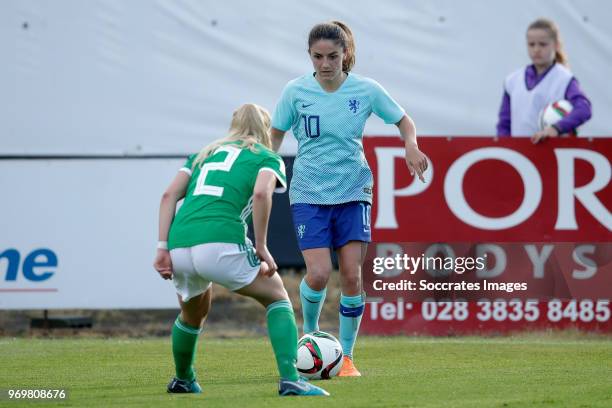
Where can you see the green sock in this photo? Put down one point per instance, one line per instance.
(184, 341)
(283, 336)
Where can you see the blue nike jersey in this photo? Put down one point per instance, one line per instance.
(330, 166)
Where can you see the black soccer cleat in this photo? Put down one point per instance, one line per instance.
(177, 386)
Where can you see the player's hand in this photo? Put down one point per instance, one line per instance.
(163, 263)
(417, 162)
(543, 134)
(264, 269)
(266, 258)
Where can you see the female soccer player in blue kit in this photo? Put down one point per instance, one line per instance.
(331, 189)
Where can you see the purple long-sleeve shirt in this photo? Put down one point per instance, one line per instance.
(580, 113)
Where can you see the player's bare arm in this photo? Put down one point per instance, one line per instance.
(262, 205)
(415, 159)
(277, 138)
(167, 208)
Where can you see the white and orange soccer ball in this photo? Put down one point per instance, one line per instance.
(319, 356)
(553, 113)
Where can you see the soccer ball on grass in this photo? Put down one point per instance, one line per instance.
(319, 356)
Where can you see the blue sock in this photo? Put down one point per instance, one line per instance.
(351, 310)
(312, 303)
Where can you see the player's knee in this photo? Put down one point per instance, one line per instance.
(317, 281)
(203, 316)
(280, 293)
(276, 291)
(317, 276)
(351, 282)
(273, 297)
(193, 320)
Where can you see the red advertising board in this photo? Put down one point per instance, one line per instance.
(538, 216)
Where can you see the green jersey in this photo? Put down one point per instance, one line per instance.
(219, 198)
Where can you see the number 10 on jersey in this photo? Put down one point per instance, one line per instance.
(311, 125)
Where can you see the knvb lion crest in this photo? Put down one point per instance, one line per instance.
(353, 105)
(301, 230)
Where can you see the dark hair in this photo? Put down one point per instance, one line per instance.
(552, 29)
(341, 34)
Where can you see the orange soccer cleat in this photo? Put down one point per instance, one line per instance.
(348, 368)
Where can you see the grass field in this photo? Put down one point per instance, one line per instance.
(541, 371)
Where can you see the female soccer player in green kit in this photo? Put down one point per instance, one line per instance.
(331, 189)
(206, 242)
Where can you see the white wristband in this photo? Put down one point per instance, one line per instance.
(162, 244)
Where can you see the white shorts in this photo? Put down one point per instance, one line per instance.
(231, 265)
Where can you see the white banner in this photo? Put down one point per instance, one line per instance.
(82, 234)
(155, 77)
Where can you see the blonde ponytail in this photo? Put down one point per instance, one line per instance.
(250, 125)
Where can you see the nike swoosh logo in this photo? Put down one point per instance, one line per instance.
(309, 301)
(305, 106)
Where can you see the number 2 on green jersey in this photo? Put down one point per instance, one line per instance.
(206, 189)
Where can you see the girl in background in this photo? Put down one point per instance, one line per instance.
(528, 90)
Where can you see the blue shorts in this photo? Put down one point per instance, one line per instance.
(331, 226)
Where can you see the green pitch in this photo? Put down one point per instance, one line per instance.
(410, 372)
